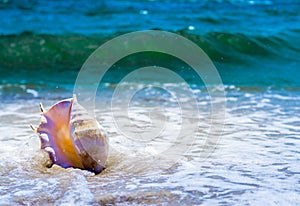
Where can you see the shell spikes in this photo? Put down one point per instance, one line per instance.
(71, 137)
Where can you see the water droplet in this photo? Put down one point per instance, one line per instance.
(191, 28)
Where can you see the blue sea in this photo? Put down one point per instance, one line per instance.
(254, 46)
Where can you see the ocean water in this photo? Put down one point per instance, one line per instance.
(255, 47)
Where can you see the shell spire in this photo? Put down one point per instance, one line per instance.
(71, 137)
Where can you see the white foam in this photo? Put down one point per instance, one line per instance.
(256, 159)
(33, 92)
(78, 193)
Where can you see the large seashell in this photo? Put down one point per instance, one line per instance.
(71, 137)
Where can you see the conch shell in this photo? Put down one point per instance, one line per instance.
(71, 137)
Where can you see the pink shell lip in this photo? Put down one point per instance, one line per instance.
(82, 145)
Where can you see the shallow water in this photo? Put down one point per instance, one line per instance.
(255, 162)
(254, 45)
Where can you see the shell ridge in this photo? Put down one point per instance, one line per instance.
(84, 134)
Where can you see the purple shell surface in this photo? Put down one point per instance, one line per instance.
(71, 137)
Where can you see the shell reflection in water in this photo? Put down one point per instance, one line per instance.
(71, 137)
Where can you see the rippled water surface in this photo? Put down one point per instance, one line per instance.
(256, 161)
(254, 45)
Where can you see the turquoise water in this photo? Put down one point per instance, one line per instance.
(254, 45)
